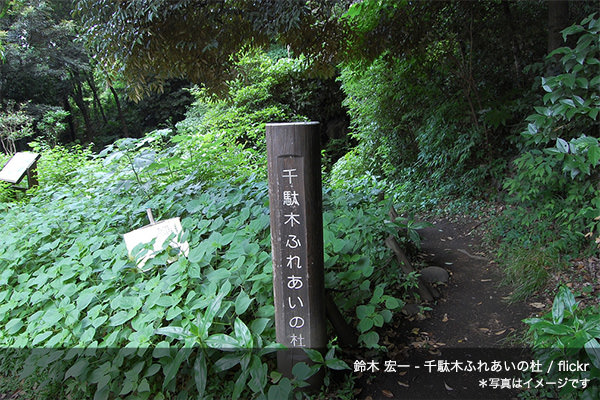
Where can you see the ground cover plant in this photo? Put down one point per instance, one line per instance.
(201, 324)
(450, 108)
(568, 333)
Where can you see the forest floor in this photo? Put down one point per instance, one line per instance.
(473, 320)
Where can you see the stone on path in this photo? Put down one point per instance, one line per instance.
(411, 309)
(434, 274)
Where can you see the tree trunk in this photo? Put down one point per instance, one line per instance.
(513, 42)
(119, 111)
(90, 81)
(81, 104)
(558, 19)
(67, 107)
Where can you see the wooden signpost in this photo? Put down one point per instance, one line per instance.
(19, 165)
(294, 166)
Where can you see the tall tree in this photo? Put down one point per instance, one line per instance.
(154, 40)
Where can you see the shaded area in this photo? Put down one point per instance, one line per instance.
(472, 322)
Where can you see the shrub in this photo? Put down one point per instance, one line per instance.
(554, 191)
(568, 334)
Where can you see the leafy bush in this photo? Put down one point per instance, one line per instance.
(554, 190)
(568, 334)
(15, 124)
(68, 286)
(262, 91)
(59, 164)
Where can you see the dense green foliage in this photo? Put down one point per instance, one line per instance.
(140, 38)
(555, 188)
(568, 333)
(68, 96)
(67, 281)
(445, 101)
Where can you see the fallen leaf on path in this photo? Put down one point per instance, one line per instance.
(415, 331)
(387, 394)
(447, 387)
(486, 280)
(445, 319)
(537, 305)
(501, 332)
(484, 330)
(450, 238)
(448, 263)
(435, 352)
(403, 384)
(402, 373)
(480, 303)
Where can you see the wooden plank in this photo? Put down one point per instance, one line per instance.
(18, 166)
(294, 165)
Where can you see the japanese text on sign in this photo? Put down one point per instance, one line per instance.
(293, 257)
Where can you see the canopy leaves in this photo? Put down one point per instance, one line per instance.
(153, 40)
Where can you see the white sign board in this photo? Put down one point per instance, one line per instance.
(159, 232)
(16, 168)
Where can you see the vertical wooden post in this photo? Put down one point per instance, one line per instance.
(32, 174)
(294, 165)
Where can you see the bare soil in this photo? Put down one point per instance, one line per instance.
(472, 320)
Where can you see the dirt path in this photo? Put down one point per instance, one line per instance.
(472, 320)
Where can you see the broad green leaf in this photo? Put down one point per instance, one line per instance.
(173, 367)
(200, 373)
(152, 370)
(377, 320)
(242, 302)
(592, 348)
(84, 299)
(227, 361)
(222, 341)
(240, 384)
(314, 355)
(377, 293)
(594, 154)
(197, 253)
(126, 303)
(365, 324)
(121, 317)
(371, 339)
(364, 310)
(176, 332)
(302, 371)
(205, 321)
(77, 369)
(13, 326)
(242, 334)
(258, 374)
(562, 145)
(281, 391)
(391, 303)
(258, 325)
(337, 364)
(40, 338)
